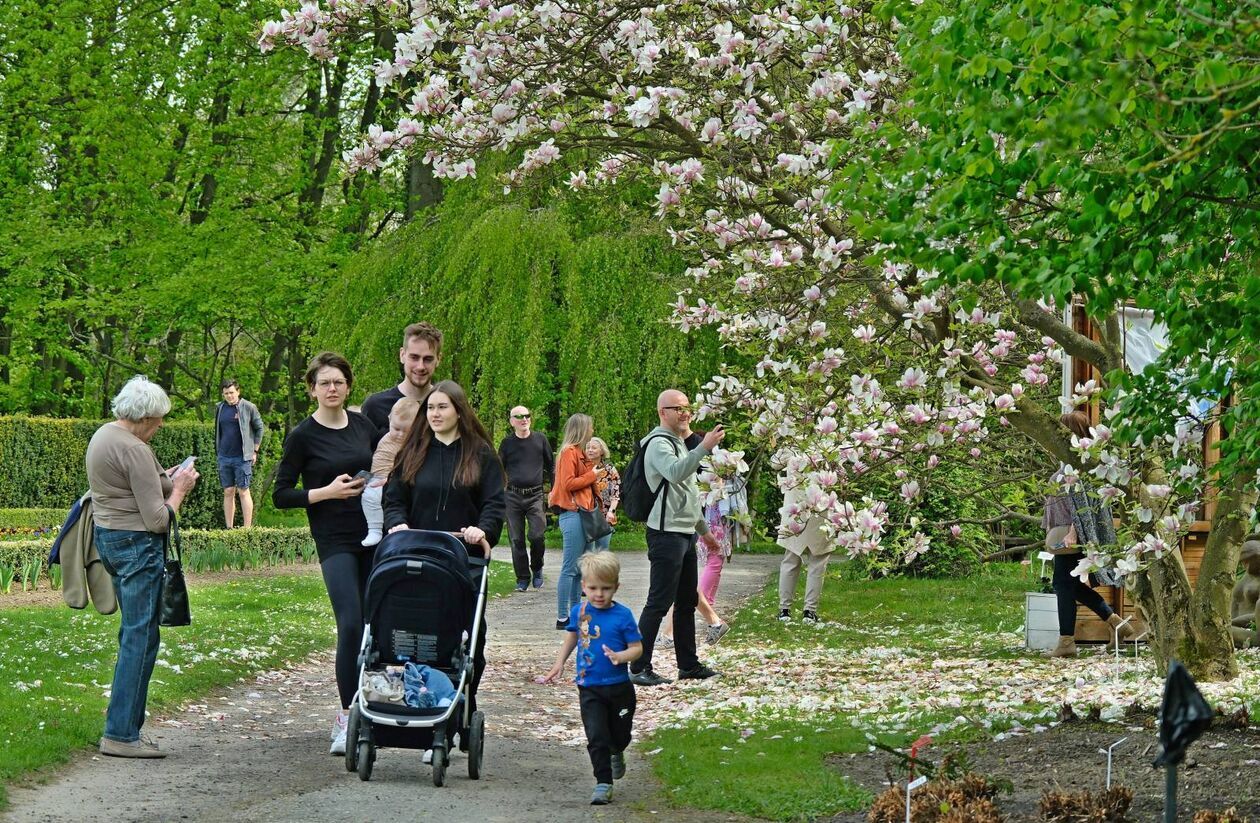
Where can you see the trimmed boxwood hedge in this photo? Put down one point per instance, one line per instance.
(204, 550)
(44, 468)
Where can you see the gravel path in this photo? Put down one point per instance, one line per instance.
(259, 751)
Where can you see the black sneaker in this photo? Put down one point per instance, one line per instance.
(561, 625)
(647, 677)
(810, 617)
(699, 672)
(522, 585)
(785, 614)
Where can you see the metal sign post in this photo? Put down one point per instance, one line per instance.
(911, 786)
(1109, 750)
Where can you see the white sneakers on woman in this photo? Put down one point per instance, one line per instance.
(338, 734)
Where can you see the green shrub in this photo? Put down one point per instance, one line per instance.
(32, 518)
(44, 464)
(942, 499)
(204, 550)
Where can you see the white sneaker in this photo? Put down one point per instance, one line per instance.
(427, 759)
(373, 537)
(338, 735)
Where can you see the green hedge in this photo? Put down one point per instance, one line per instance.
(204, 550)
(31, 518)
(44, 468)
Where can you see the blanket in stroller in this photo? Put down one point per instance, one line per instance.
(425, 687)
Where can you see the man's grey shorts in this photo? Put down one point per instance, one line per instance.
(235, 471)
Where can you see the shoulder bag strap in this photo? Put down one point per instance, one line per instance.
(172, 537)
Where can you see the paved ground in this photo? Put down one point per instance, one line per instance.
(260, 751)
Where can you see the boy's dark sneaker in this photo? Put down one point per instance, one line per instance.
(618, 765)
(522, 585)
(700, 672)
(602, 795)
(647, 677)
(538, 581)
(785, 614)
(562, 624)
(809, 616)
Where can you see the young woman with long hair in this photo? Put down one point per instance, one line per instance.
(574, 487)
(447, 477)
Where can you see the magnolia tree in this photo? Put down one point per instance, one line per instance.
(731, 109)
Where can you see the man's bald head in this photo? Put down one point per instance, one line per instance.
(670, 397)
(674, 410)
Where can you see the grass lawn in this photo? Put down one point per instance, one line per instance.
(761, 749)
(894, 659)
(59, 663)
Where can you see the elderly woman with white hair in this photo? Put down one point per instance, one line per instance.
(607, 485)
(133, 499)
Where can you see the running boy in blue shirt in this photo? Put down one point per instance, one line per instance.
(607, 638)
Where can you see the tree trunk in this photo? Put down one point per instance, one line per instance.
(1192, 625)
(273, 373)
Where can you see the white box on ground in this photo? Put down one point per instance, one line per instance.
(1041, 621)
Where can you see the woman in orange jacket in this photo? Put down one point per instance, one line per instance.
(574, 487)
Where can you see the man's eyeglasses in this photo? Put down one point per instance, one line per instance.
(520, 417)
(679, 409)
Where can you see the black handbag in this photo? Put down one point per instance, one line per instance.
(594, 524)
(173, 606)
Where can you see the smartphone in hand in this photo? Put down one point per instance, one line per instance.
(188, 463)
(363, 475)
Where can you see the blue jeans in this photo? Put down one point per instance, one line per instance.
(569, 585)
(601, 545)
(134, 560)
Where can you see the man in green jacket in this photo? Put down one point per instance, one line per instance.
(672, 527)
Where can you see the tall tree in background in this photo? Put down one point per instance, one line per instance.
(169, 202)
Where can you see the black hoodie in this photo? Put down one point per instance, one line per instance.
(433, 501)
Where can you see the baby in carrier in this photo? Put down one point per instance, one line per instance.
(401, 417)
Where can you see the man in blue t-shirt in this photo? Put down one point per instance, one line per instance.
(238, 433)
(607, 639)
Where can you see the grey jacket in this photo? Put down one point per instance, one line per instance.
(82, 574)
(667, 459)
(252, 428)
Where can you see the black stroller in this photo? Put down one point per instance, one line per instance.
(424, 604)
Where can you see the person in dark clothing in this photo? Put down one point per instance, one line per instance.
(528, 464)
(324, 452)
(448, 478)
(1081, 518)
(419, 357)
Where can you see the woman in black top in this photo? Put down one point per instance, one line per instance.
(448, 478)
(325, 451)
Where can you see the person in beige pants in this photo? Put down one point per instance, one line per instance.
(810, 548)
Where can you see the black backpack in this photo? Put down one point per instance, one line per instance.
(637, 497)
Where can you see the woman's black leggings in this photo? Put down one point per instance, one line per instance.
(345, 575)
(1070, 590)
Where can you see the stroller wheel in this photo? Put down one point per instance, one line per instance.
(476, 744)
(439, 765)
(367, 754)
(352, 738)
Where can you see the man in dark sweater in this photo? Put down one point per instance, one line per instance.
(528, 464)
(420, 355)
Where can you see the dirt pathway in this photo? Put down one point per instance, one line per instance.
(260, 751)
